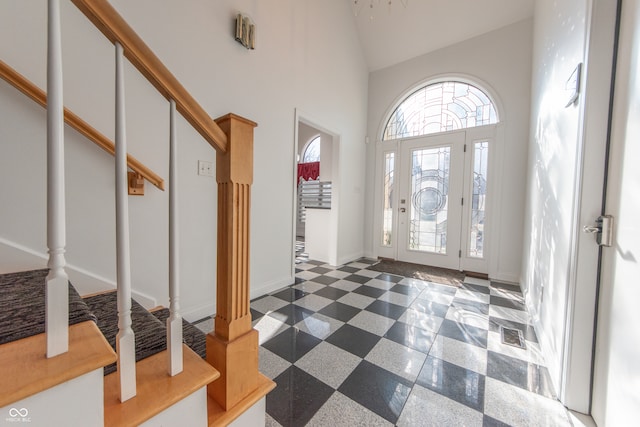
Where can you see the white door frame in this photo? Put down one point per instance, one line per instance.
(576, 369)
(489, 133)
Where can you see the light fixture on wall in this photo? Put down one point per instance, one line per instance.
(371, 5)
(245, 31)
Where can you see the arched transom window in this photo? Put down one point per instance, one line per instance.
(440, 107)
(312, 151)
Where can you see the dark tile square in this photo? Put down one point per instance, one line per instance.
(348, 269)
(255, 315)
(520, 373)
(465, 333)
(290, 294)
(430, 307)
(319, 270)
(298, 280)
(353, 340)
(377, 390)
(507, 287)
(405, 290)
(291, 314)
(297, 397)
(476, 288)
(369, 291)
(471, 306)
(358, 279)
(412, 337)
(292, 344)
(389, 277)
(314, 262)
(331, 293)
(367, 261)
(527, 330)
(340, 311)
(492, 422)
(324, 280)
(457, 383)
(386, 309)
(507, 303)
(298, 270)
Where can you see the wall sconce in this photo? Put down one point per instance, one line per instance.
(245, 31)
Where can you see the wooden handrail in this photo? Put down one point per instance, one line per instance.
(21, 83)
(115, 28)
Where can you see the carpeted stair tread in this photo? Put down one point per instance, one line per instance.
(191, 336)
(150, 333)
(22, 305)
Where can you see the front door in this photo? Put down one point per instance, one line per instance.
(434, 196)
(429, 200)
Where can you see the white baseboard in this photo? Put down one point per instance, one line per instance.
(271, 286)
(346, 259)
(15, 257)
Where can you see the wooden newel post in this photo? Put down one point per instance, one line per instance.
(232, 347)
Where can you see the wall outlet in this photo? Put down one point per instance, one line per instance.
(205, 168)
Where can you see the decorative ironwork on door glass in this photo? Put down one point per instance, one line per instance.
(478, 199)
(387, 203)
(429, 199)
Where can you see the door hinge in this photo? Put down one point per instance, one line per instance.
(462, 201)
(603, 230)
(465, 148)
(460, 253)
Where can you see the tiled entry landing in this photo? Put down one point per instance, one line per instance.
(349, 346)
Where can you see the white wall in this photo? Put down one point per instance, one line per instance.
(194, 38)
(501, 61)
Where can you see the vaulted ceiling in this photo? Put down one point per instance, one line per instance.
(393, 33)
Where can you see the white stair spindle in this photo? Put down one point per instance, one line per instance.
(174, 322)
(57, 288)
(125, 340)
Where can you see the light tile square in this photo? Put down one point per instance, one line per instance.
(268, 304)
(380, 284)
(359, 265)
(268, 327)
(337, 274)
(307, 275)
(427, 408)
(319, 326)
(313, 302)
(328, 363)
(397, 358)
(415, 283)
(460, 315)
(518, 407)
(356, 300)
(472, 296)
(372, 322)
(421, 320)
(396, 298)
(345, 285)
(368, 273)
(435, 296)
(510, 314)
(270, 364)
(459, 353)
(342, 411)
(309, 287)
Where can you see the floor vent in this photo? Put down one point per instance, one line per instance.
(512, 337)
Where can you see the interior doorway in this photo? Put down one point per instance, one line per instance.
(315, 178)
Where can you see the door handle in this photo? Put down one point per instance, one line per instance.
(403, 210)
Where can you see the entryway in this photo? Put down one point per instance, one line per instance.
(435, 193)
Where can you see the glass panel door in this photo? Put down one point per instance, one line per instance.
(429, 212)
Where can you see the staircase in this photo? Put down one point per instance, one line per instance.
(104, 359)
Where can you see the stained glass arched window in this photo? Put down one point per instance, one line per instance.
(440, 107)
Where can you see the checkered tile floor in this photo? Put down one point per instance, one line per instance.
(348, 346)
